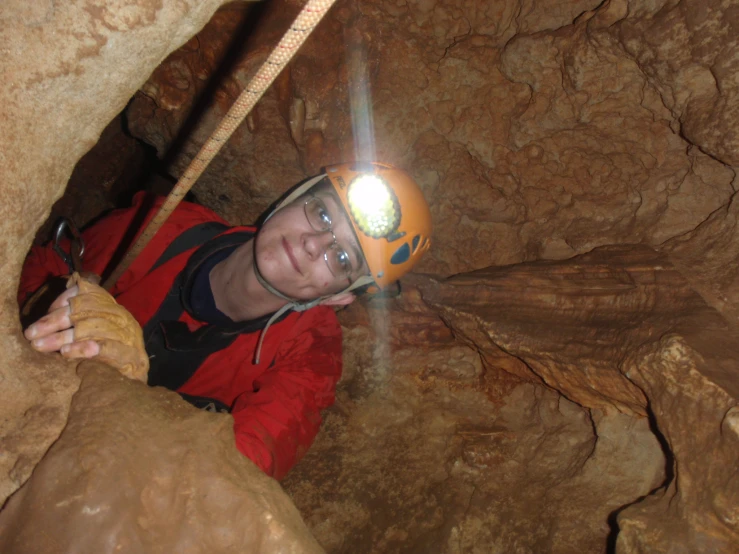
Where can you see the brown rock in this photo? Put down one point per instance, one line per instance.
(535, 136)
(97, 492)
(572, 323)
(708, 256)
(689, 51)
(113, 168)
(698, 507)
(139, 470)
(620, 327)
(67, 71)
(36, 393)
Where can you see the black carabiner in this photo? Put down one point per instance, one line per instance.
(73, 258)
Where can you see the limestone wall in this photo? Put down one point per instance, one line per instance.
(67, 69)
(558, 399)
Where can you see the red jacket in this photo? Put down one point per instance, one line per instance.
(275, 405)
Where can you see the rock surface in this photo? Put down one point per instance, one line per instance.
(698, 423)
(573, 323)
(512, 467)
(102, 179)
(619, 328)
(559, 405)
(124, 473)
(87, 57)
(540, 130)
(422, 453)
(139, 470)
(708, 256)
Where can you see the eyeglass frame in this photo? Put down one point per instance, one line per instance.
(335, 244)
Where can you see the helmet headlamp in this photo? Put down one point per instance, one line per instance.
(373, 206)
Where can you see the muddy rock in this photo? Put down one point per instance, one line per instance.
(559, 376)
(137, 469)
(68, 70)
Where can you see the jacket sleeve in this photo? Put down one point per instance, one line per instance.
(276, 424)
(41, 264)
(103, 240)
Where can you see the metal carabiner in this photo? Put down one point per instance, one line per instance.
(73, 259)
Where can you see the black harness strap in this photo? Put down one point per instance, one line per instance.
(175, 352)
(171, 308)
(164, 366)
(194, 236)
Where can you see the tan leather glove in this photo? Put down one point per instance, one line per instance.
(96, 316)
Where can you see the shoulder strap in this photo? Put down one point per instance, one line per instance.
(194, 236)
(171, 308)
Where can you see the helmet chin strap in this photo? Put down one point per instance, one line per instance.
(294, 304)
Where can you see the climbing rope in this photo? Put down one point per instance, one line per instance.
(292, 40)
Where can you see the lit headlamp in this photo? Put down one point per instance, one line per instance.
(373, 206)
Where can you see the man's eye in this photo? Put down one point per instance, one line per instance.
(324, 216)
(343, 259)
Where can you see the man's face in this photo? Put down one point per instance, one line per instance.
(291, 253)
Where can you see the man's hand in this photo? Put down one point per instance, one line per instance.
(54, 332)
(86, 322)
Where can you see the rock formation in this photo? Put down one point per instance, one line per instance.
(617, 331)
(112, 482)
(537, 136)
(138, 470)
(562, 379)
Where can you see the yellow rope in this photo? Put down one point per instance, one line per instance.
(293, 39)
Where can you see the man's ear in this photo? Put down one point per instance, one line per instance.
(341, 299)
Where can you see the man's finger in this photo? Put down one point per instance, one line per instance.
(81, 349)
(53, 342)
(55, 321)
(63, 298)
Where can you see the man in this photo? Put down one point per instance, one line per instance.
(240, 319)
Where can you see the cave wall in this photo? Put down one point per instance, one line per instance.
(126, 471)
(68, 69)
(624, 331)
(539, 131)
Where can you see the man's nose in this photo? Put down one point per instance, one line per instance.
(317, 242)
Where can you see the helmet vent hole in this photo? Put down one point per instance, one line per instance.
(401, 255)
(416, 240)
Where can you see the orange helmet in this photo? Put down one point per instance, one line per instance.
(389, 214)
(390, 218)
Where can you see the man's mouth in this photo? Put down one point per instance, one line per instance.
(290, 255)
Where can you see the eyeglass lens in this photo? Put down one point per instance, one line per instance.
(335, 256)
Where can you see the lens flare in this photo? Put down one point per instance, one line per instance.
(360, 101)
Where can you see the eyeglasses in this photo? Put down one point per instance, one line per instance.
(336, 257)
